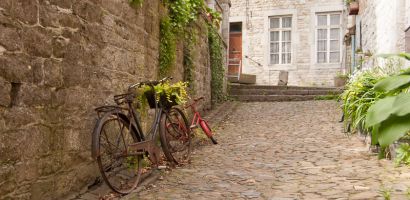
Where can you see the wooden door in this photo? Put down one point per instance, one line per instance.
(235, 49)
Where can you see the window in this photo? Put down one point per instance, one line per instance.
(328, 37)
(280, 34)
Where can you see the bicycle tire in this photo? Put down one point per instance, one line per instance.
(208, 131)
(112, 137)
(175, 136)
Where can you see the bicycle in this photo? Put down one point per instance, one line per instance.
(197, 119)
(119, 143)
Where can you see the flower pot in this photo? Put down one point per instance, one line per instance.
(354, 8)
(340, 81)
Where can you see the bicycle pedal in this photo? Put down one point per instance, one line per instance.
(193, 126)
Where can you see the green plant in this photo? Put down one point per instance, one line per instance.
(180, 14)
(214, 15)
(359, 96)
(217, 66)
(167, 47)
(136, 3)
(327, 97)
(388, 117)
(403, 154)
(349, 1)
(172, 93)
(386, 193)
(342, 75)
(190, 41)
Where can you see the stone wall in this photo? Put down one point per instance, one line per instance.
(59, 59)
(304, 70)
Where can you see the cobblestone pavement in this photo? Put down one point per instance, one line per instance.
(281, 151)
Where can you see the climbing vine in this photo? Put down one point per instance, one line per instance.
(180, 14)
(217, 66)
(136, 3)
(189, 43)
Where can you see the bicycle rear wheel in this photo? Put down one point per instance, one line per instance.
(175, 136)
(120, 170)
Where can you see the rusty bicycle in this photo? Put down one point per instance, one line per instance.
(120, 146)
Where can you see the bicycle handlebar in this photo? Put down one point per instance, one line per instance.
(150, 83)
(195, 101)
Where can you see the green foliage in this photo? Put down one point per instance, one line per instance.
(167, 47)
(386, 193)
(181, 14)
(215, 16)
(389, 117)
(359, 96)
(403, 154)
(190, 41)
(136, 3)
(327, 97)
(217, 66)
(173, 93)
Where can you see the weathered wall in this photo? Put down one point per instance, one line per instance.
(59, 59)
(304, 70)
(383, 24)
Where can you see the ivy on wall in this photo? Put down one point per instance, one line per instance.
(180, 14)
(190, 40)
(217, 65)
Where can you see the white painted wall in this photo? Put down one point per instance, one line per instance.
(303, 70)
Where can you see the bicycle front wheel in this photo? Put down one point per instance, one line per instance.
(175, 136)
(120, 170)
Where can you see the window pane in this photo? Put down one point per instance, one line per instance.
(321, 45)
(321, 57)
(334, 57)
(322, 34)
(274, 47)
(335, 19)
(286, 22)
(286, 48)
(274, 22)
(286, 36)
(286, 58)
(322, 20)
(274, 36)
(274, 59)
(334, 34)
(334, 45)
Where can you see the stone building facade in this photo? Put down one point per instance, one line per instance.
(60, 59)
(378, 28)
(301, 37)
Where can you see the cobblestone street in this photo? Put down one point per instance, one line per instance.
(281, 151)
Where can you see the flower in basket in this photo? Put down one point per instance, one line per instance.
(166, 95)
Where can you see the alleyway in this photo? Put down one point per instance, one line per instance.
(284, 150)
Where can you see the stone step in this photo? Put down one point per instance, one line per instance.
(276, 87)
(244, 79)
(263, 98)
(283, 92)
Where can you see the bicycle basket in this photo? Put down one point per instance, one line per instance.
(163, 101)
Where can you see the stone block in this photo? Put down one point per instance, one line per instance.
(283, 78)
(53, 75)
(51, 17)
(37, 42)
(16, 68)
(34, 96)
(5, 90)
(88, 11)
(10, 38)
(25, 11)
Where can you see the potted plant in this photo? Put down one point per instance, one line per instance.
(340, 79)
(353, 7)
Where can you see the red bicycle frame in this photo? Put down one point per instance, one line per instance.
(197, 119)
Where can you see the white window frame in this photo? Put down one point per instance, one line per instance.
(280, 30)
(328, 27)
